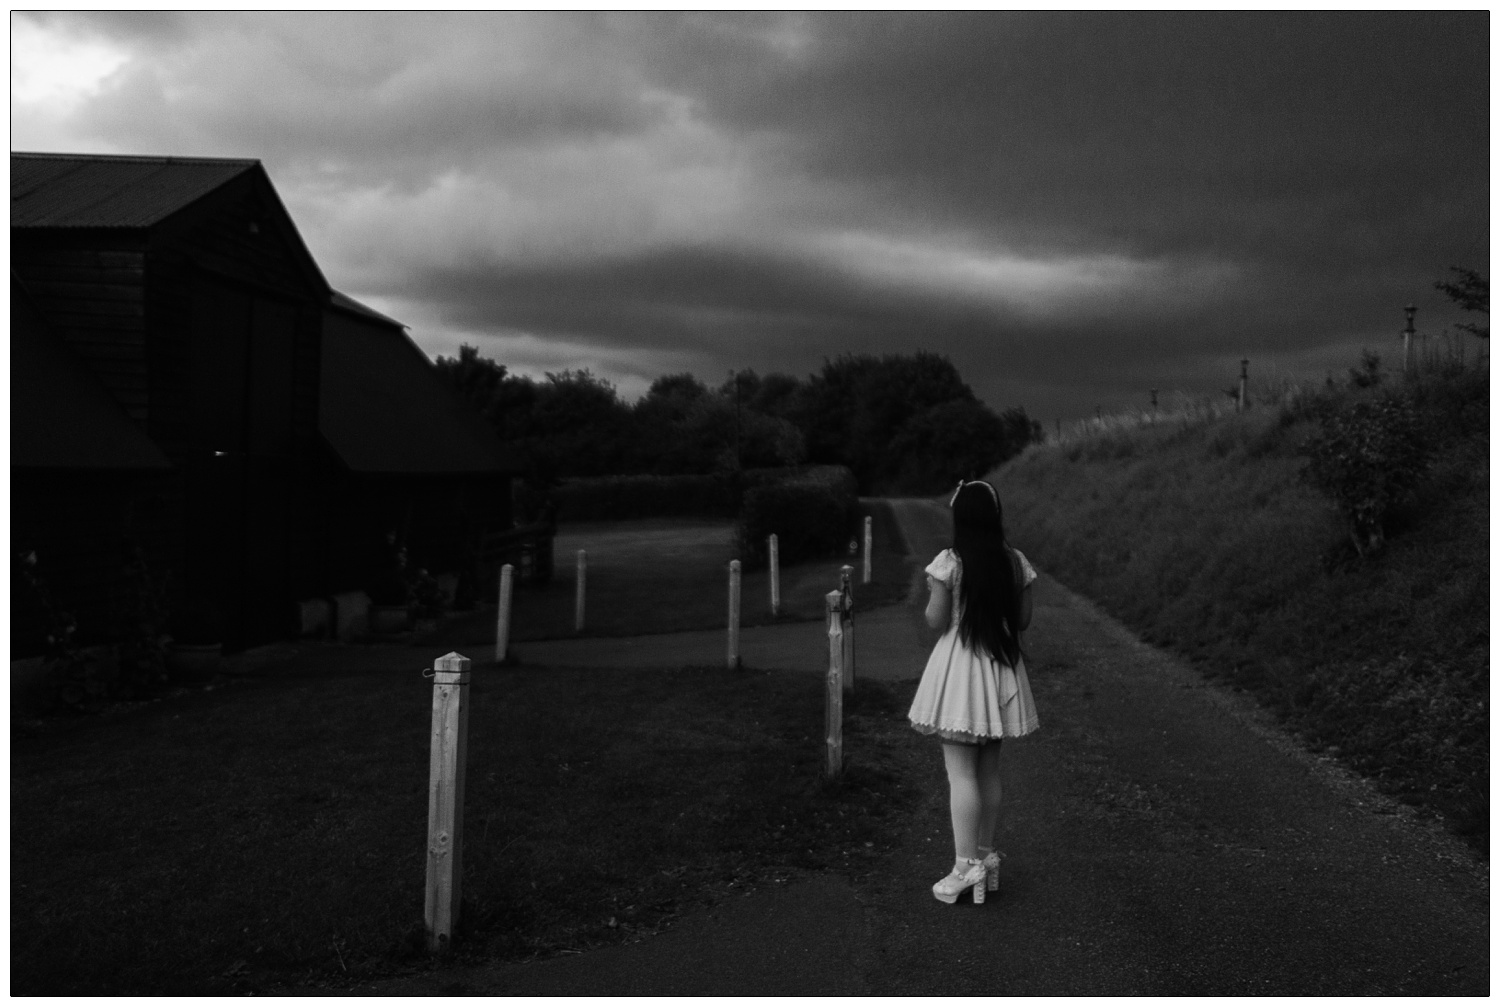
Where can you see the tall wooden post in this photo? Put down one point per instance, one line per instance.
(846, 590)
(734, 613)
(445, 797)
(580, 590)
(1244, 382)
(868, 537)
(775, 575)
(502, 619)
(834, 688)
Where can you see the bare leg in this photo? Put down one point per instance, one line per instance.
(962, 762)
(989, 793)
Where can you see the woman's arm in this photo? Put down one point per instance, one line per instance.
(938, 601)
(1026, 606)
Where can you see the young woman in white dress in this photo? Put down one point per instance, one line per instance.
(974, 690)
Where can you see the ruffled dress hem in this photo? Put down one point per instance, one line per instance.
(965, 696)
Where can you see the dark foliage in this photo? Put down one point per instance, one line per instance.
(901, 423)
(617, 498)
(1471, 292)
(1368, 373)
(960, 438)
(1368, 459)
(812, 517)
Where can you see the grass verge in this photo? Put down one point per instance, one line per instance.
(1204, 537)
(663, 576)
(271, 832)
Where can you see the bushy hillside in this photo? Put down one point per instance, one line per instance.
(1205, 535)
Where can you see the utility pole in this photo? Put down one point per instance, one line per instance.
(1411, 330)
(735, 377)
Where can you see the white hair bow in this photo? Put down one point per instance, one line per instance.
(975, 482)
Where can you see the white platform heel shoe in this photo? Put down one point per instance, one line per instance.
(991, 860)
(955, 884)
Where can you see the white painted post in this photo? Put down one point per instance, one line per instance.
(834, 691)
(445, 797)
(775, 575)
(734, 613)
(502, 620)
(847, 592)
(867, 548)
(583, 574)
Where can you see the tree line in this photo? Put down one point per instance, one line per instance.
(902, 423)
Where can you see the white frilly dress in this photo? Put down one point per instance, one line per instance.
(969, 696)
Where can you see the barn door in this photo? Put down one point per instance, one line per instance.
(241, 371)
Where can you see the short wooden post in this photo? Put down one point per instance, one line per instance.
(734, 613)
(834, 691)
(868, 537)
(775, 546)
(847, 592)
(1244, 382)
(502, 619)
(445, 797)
(579, 590)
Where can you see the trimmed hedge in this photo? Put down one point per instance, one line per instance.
(617, 498)
(811, 514)
(621, 498)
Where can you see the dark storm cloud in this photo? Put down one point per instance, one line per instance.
(1072, 206)
(1288, 138)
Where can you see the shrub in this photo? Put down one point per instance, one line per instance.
(1367, 458)
(811, 515)
(617, 498)
(718, 495)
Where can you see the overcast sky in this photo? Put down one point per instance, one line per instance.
(1073, 208)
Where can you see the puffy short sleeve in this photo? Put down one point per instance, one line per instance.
(1028, 573)
(943, 567)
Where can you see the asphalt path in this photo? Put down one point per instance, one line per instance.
(1163, 836)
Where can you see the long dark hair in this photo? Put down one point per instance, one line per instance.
(989, 589)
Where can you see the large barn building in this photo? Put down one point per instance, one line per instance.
(187, 387)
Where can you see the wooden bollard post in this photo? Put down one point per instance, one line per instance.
(734, 613)
(502, 619)
(775, 548)
(445, 797)
(868, 536)
(579, 590)
(834, 691)
(847, 592)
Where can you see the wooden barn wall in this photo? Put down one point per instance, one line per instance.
(236, 328)
(90, 285)
(84, 527)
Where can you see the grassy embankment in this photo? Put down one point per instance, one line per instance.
(1199, 531)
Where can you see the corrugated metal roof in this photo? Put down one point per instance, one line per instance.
(98, 190)
(61, 417)
(384, 409)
